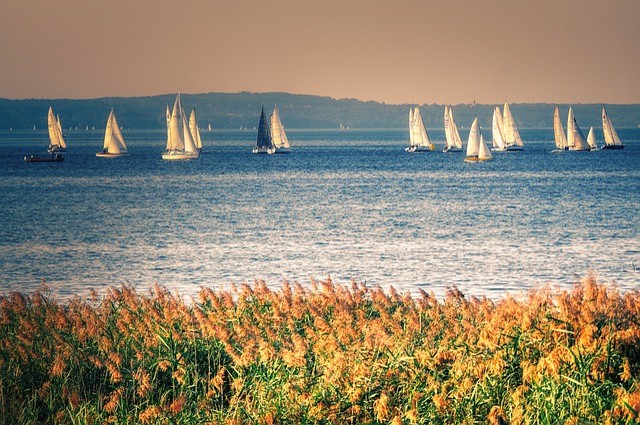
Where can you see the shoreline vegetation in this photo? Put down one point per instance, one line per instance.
(323, 353)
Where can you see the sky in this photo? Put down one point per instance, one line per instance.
(395, 51)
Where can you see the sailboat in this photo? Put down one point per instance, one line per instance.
(477, 149)
(591, 140)
(278, 135)
(453, 141)
(511, 135)
(114, 145)
(575, 138)
(56, 140)
(195, 131)
(418, 138)
(497, 132)
(264, 144)
(611, 139)
(180, 143)
(558, 133)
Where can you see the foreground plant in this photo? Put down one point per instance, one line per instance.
(321, 354)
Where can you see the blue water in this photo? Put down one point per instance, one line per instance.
(350, 205)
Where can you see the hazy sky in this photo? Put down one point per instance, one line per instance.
(396, 51)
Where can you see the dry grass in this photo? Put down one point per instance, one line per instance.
(323, 354)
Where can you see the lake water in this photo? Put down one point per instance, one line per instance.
(345, 204)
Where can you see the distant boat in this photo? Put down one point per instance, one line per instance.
(195, 131)
(591, 140)
(418, 138)
(56, 140)
(264, 143)
(113, 145)
(510, 132)
(54, 157)
(575, 138)
(477, 149)
(209, 127)
(558, 133)
(611, 139)
(278, 135)
(497, 132)
(180, 143)
(451, 134)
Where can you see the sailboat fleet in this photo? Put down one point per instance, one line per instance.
(184, 140)
(575, 140)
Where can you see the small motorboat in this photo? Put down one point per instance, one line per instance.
(56, 157)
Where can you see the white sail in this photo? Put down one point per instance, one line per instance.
(496, 130)
(189, 143)
(447, 128)
(420, 137)
(113, 141)
(591, 140)
(168, 116)
(56, 141)
(510, 131)
(455, 135)
(610, 135)
(575, 138)
(411, 127)
(473, 144)
(278, 135)
(195, 131)
(176, 127)
(558, 131)
(484, 154)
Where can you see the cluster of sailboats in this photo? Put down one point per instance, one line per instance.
(505, 135)
(574, 140)
(184, 141)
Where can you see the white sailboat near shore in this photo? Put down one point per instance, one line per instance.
(558, 133)
(278, 135)
(264, 143)
(195, 131)
(497, 133)
(591, 140)
(180, 143)
(611, 139)
(56, 139)
(114, 145)
(477, 149)
(512, 139)
(575, 138)
(418, 137)
(451, 134)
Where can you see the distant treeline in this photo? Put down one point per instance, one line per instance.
(235, 110)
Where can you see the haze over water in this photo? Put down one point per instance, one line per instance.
(350, 205)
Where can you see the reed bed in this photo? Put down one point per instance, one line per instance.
(323, 353)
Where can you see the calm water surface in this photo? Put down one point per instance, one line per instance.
(350, 205)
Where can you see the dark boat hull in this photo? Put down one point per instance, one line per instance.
(52, 158)
(613, 147)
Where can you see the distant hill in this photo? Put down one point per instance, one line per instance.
(233, 110)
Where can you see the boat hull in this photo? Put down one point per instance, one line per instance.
(515, 149)
(179, 156)
(612, 147)
(110, 155)
(52, 158)
(261, 150)
(476, 159)
(445, 150)
(420, 149)
(282, 151)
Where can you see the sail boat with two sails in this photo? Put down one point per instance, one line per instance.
(451, 134)
(558, 133)
(278, 135)
(418, 138)
(180, 143)
(195, 131)
(575, 138)
(56, 139)
(264, 142)
(611, 139)
(114, 145)
(477, 149)
(506, 136)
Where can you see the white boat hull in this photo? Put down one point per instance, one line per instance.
(179, 156)
(110, 155)
(445, 150)
(419, 149)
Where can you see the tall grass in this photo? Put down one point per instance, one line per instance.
(321, 354)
